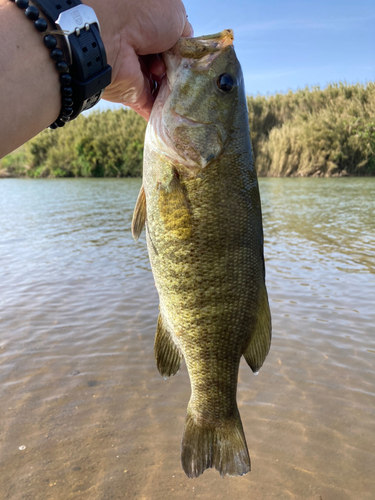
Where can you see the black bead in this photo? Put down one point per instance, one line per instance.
(41, 24)
(65, 79)
(66, 91)
(62, 67)
(32, 13)
(66, 111)
(22, 4)
(67, 102)
(64, 118)
(56, 54)
(59, 122)
(53, 126)
(50, 41)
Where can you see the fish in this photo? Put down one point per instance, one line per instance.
(201, 208)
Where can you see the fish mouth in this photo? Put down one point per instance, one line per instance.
(201, 46)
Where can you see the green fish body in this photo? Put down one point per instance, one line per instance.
(201, 207)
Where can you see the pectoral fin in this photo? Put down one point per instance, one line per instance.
(260, 342)
(174, 207)
(139, 216)
(168, 357)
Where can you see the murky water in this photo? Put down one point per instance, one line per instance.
(84, 412)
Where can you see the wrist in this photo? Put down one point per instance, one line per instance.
(110, 31)
(83, 60)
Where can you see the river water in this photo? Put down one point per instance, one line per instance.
(84, 412)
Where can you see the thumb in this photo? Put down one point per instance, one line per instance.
(188, 29)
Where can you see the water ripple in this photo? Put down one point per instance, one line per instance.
(84, 411)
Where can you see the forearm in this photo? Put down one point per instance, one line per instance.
(30, 98)
(29, 83)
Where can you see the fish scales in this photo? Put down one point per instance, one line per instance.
(201, 206)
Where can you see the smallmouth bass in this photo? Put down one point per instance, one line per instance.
(201, 207)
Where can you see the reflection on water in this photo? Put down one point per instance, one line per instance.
(83, 409)
(336, 218)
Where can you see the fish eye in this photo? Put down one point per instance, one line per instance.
(225, 82)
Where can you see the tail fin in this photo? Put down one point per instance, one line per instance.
(222, 446)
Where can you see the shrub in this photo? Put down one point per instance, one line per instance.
(315, 131)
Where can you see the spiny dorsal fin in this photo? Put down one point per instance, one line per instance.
(139, 216)
(260, 342)
(168, 357)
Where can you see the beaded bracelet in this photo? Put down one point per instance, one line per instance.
(57, 55)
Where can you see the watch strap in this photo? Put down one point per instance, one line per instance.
(53, 8)
(85, 52)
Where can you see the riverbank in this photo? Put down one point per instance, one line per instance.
(312, 132)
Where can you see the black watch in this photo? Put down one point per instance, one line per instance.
(83, 48)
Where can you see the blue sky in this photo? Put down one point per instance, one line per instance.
(284, 44)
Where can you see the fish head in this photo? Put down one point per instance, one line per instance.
(194, 111)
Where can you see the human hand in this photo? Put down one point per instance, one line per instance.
(134, 33)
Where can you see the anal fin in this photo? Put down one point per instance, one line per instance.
(167, 355)
(260, 342)
(139, 216)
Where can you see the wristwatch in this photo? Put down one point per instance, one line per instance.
(83, 49)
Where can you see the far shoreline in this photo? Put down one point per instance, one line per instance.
(342, 174)
(312, 132)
